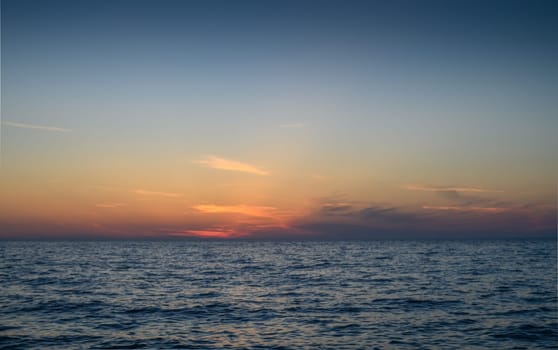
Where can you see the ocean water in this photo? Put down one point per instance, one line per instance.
(271, 295)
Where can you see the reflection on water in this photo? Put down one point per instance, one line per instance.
(184, 294)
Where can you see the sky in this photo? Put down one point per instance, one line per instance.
(278, 119)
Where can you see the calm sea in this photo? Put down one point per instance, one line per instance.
(270, 295)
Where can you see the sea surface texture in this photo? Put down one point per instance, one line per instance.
(287, 295)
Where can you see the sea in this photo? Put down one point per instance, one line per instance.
(185, 294)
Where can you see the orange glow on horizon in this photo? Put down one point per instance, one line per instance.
(216, 233)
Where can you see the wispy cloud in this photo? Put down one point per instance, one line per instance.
(110, 205)
(446, 188)
(249, 210)
(392, 215)
(292, 125)
(34, 126)
(157, 193)
(468, 209)
(335, 208)
(230, 165)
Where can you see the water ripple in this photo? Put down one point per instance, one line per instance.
(290, 295)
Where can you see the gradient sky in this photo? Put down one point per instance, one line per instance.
(279, 119)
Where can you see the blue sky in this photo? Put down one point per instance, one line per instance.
(368, 95)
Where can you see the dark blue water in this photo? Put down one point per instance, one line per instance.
(262, 295)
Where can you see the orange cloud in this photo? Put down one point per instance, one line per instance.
(446, 189)
(110, 205)
(237, 209)
(157, 193)
(230, 165)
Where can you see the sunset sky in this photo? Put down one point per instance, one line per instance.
(279, 119)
